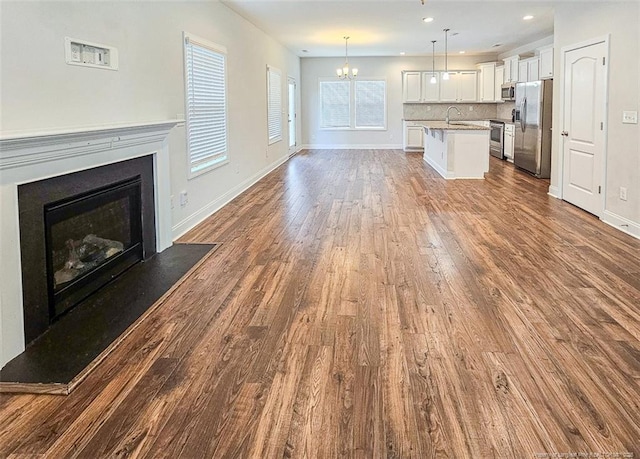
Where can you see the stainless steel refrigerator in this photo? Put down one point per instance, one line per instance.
(532, 149)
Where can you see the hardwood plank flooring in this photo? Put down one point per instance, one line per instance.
(361, 306)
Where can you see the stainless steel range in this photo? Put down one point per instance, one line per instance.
(496, 146)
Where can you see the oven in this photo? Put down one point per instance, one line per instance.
(496, 145)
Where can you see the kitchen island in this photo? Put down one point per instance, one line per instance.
(457, 151)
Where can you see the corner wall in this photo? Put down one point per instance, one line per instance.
(575, 23)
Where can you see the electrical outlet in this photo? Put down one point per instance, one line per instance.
(470, 108)
(184, 198)
(623, 193)
(630, 117)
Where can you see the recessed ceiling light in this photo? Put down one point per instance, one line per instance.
(462, 52)
(305, 50)
(427, 19)
(402, 53)
(528, 17)
(496, 45)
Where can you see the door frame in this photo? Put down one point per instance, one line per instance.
(292, 149)
(605, 118)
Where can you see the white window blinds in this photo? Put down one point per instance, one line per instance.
(370, 104)
(274, 102)
(353, 104)
(206, 104)
(335, 99)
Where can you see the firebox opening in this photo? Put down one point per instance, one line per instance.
(91, 238)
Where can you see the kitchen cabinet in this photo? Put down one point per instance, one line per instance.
(511, 69)
(498, 82)
(460, 87)
(413, 135)
(411, 86)
(417, 87)
(487, 82)
(509, 133)
(528, 69)
(430, 91)
(546, 62)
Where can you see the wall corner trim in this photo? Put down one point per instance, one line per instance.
(554, 191)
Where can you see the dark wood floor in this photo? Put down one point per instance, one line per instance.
(361, 306)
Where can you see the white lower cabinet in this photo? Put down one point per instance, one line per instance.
(413, 138)
(509, 132)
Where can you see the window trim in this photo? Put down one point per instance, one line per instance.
(220, 49)
(278, 114)
(352, 106)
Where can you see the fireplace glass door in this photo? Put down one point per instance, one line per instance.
(90, 239)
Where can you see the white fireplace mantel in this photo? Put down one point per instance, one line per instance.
(30, 156)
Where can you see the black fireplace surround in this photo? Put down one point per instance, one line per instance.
(80, 230)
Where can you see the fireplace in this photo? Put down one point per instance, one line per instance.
(35, 156)
(79, 231)
(90, 239)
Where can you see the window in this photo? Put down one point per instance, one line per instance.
(206, 104)
(353, 104)
(274, 104)
(370, 104)
(334, 104)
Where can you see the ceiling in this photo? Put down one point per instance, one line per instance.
(389, 27)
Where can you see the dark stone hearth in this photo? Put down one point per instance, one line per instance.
(74, 341)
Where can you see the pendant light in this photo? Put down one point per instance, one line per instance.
(433, 62)
(343, 73)
(445, 75)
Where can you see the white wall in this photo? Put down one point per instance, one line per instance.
(390, 68)
(39, 91)
(575, 23)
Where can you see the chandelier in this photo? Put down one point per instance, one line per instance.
(346, 72)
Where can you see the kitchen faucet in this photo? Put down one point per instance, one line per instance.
(447, 119)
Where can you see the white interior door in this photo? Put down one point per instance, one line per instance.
(292, 115)
(583, 126)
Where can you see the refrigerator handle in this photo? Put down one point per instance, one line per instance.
(523, 114)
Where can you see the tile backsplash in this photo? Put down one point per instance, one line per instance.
(470, 111)
(504, 110)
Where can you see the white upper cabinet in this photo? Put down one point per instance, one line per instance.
(487, 82)
(411, 86)
(511, 69)
(546, 62)
(460, 87)
(498, 82)
(430, 91)
(467, 86)
(417, 87)
(528, 69)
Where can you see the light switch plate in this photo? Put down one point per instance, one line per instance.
(630, 117)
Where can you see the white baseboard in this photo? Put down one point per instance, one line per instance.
(623, 224)
(192, 220)
(554, 191)
(319, 146)
(438, 169)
